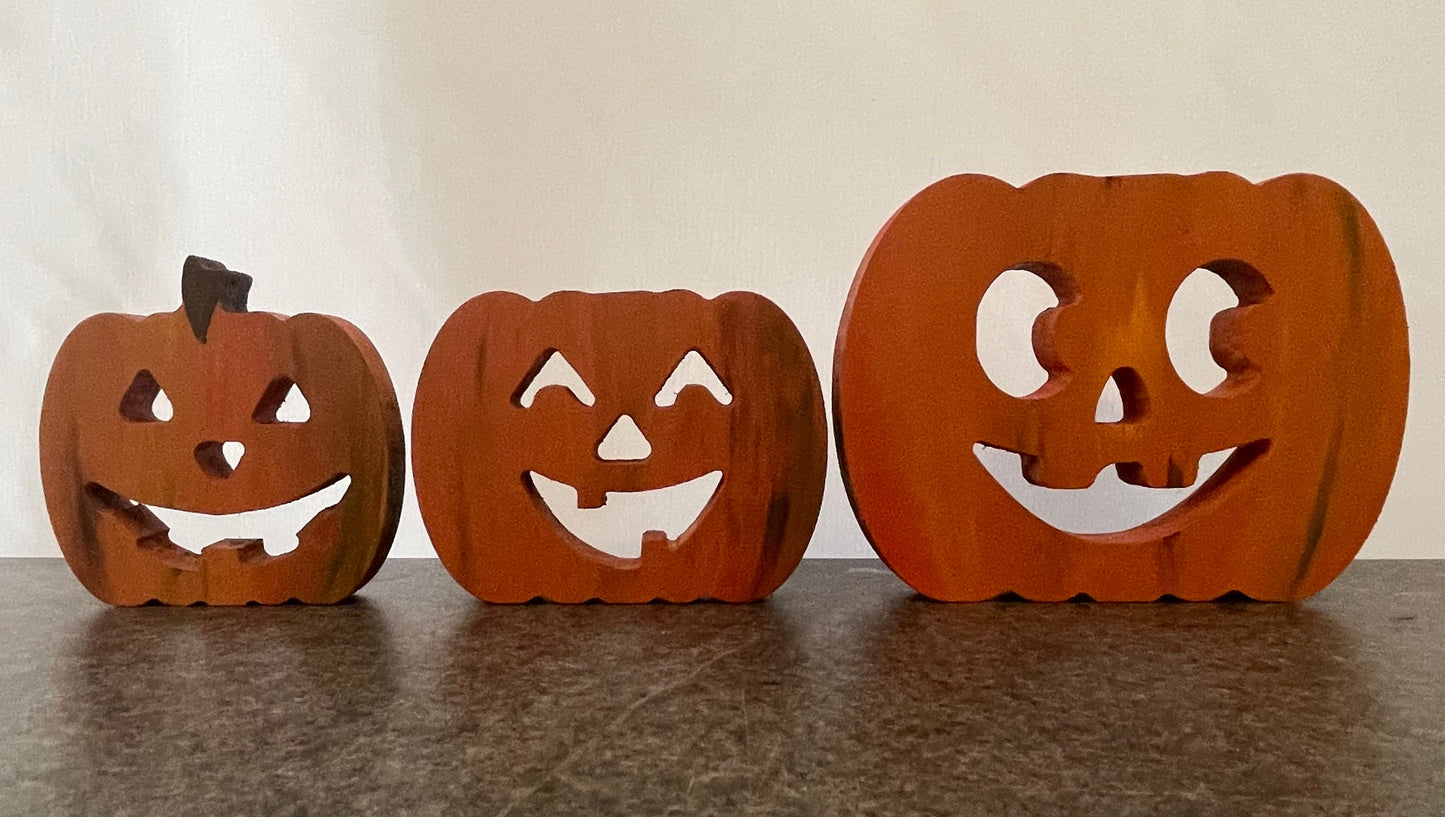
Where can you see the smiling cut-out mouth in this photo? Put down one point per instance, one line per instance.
(613, 528)
(277, 527)
(1110, 505)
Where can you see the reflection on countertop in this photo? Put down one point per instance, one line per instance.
(842, 694)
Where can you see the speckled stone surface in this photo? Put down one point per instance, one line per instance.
(843, 694)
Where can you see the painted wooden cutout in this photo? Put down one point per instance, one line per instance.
(1313, 404)
(112, 465)
(718, 392)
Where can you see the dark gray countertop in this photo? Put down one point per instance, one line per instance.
(843, 694)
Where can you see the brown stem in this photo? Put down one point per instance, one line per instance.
(206, 284)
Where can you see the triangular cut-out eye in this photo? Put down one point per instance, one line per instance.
(692, 370)
(554, 371)
(282, 402)
(145, 401)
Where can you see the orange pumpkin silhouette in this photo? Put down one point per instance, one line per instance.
(497, 456)
(111, 466)
(1313, 404)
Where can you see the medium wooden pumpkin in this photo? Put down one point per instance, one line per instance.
(1313, 404)
(110, 464)
(487, 441)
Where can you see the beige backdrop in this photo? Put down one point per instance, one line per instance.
(385, 161)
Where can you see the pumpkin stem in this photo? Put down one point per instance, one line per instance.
(206, 284)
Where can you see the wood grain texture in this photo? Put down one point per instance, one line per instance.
(1313, 403)
(476, 447)
(105, 457)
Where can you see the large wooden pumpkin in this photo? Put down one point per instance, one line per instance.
(1313, 404)
(112, 467)
(497, 455)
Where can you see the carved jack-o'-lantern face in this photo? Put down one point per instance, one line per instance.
(1311, 410)
(223, 419)
(536, 424)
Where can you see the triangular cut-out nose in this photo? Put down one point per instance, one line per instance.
(1110, 408)
(1123, 399)
(233, 452)
(219, 459)
(624, 441)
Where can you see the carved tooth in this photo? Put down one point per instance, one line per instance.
(1168, 472)
(1056, 472)
(590, 498)
(656, 541)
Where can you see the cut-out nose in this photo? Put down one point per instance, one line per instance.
(1110, 408)
(624, 441)
(1123, 398)
(219, 459)
(233, 452)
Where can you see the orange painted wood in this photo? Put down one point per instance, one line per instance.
(1313, 403)
(476, 447)
(106, 457)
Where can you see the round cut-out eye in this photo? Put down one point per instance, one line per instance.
(283, 402)
(1004, 330)
(1189, 326)
(1186, 328)
(692, 370)
(554, 371)
(145, 401)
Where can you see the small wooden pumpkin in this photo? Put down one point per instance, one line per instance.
(109, 464)
(1313, 403)
(486, 440)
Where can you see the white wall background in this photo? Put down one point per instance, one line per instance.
(384, 161)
